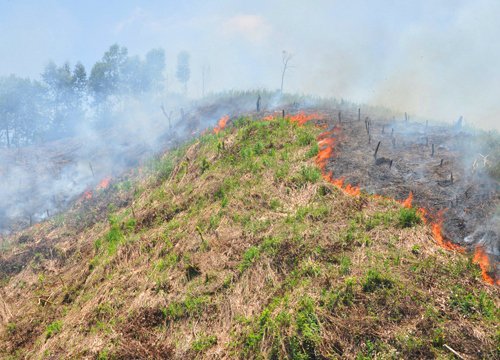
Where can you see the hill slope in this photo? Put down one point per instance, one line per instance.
(237, 248)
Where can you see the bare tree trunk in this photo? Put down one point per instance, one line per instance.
(286, 58)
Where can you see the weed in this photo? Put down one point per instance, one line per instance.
(374, 281)
(190, 306)
(408, 218)
(313, 151)
(204, 342)
(471, 304)
(53, 329)
(249, 257)
(345, 265)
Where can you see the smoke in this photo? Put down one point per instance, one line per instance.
(435, 59)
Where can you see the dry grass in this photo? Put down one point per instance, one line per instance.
(242, 252)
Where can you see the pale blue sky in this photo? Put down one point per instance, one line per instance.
(435, 58)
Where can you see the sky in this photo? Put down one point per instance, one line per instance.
(436, 59)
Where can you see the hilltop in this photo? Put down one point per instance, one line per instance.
(236, 245)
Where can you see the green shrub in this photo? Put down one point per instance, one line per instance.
(408, 218)
(53, 329)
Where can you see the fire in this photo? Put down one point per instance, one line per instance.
(407, 203)
(87, 195)
(326, 145)
(423, 214)
(221, 124)
(301, 118)
(440, 239)
(482, 259)
(104, 183)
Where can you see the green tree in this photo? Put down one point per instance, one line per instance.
(106, 75)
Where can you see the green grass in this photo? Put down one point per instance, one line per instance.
(249, 257)
(204, 342)
(374, 280)
(408, 218)
(189, 307)
(53, 329)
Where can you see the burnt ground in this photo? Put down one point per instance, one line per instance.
(452, 183)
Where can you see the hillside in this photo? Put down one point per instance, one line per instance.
(236, 246)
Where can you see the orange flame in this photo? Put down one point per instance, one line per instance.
(407, 203)
(423, 214)
(301, 118)
(326, 145)
(440, 239)
(87, 195)
(104, 183)
(482, 259)
(221, 124)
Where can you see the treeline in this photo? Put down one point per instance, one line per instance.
(33, 111)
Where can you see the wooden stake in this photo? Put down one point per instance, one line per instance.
(283, 113)
(451, 178)
(432, 154)
(426, 141)
(376, 150)
(91, 169)
(359, 114)
(454, 352)
(441, 163)
(340, 116)
(390, 164)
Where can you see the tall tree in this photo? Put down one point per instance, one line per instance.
(154, 67)
(183, 72)
(106, 75)
(20, 110)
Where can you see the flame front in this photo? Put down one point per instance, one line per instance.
(301, 118)
(87, 195)
(326, 145)
(104, 183)
(440, 239)
(221, 124)
(482, 259)
(407, 203)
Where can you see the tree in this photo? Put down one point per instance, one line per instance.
(183, 72)
(154, 67)
(21, 105)
(286, 57)
(65, 91)
(106, 75)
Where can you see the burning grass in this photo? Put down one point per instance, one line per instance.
(237, 247)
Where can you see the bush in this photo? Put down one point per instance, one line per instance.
(408, 218)
(53, 329)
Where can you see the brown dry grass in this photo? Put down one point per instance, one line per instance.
(243, 253)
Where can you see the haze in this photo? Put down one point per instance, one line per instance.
(437, 59)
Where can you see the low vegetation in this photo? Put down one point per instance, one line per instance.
(234, 246)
